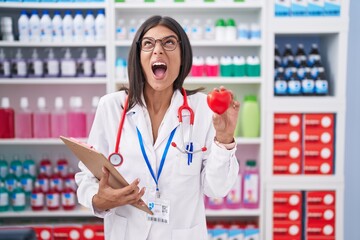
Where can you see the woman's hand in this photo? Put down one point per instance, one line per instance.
(225, 123)
(108, 197)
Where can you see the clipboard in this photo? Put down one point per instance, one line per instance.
(94, 161)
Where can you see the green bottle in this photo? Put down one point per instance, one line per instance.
(4, 198)
(30, 165)
(10, 180)
(3, 168)
(18, 198)
(16, 166)
(250, 117)
(27, 182)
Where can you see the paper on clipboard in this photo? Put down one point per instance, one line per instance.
(94, 161)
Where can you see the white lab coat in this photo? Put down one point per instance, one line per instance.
(212, 173)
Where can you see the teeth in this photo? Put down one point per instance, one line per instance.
(159, 64)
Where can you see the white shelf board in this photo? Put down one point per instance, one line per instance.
(249, 5)
(54, 5)
(207, 43)
(214, 80)
(34, 141)
(309, 25)
(305, 182)
(82, 212)
(248, 141)
(51, 81)
(306, 104)
(52, 44)
(233, 213)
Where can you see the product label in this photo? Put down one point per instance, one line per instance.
(18, 199)
(52, 200)
(251, 188)
(27, 184)
(68, 199)
(4, 199)
(37, 199)
(234, 195)
(68, 68)
(100, 68)
(52, 67)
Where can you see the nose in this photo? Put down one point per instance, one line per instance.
(158, 49)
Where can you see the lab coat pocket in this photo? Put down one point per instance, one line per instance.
(118, 227)
(188, 168)
(193, 233)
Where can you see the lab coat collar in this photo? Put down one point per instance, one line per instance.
(141, 120)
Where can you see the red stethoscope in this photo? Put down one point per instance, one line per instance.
(117, 159)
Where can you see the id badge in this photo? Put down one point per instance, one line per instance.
(161, 209)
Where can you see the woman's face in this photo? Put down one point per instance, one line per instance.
(160, 66)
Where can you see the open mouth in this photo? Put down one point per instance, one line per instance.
(159, 69)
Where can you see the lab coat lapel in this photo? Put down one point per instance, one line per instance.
(171, 119)
(139, 121)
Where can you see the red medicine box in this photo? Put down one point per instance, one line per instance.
(43, 232)
(320, 198)
(287, 230)
(319, 121)
(93, 232)
(68, 232)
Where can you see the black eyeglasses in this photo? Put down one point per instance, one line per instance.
(169, 43)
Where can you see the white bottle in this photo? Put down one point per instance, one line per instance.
(5, 69)
(24, 27)
(120, 69)
(57, 25)
(58, 119)
(51, 65)
(84, 65)
(46, 27)
(100, 26)
(132, 28)
(36, 66)
(100, 64)
(68, 65)
(196, 30)
(89, 27)
(255, 32)
(19, 65)
(121, 31)
(79, 29)
(34, 24)
(186, 26)
(209, 30)
(68, 27)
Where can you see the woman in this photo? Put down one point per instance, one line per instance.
(169, 180)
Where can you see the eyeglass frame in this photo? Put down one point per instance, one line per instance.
(161, 43)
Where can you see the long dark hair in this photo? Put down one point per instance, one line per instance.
(136, 75)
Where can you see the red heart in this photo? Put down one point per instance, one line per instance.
(219, 100)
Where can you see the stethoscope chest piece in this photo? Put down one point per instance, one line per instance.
(116, 159)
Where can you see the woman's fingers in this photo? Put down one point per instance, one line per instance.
(105, 178)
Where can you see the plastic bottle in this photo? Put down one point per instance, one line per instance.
(121, 31)
(89, 28)
(18, 198)
(308, 85)
(220, 30)
(70, 179)
(34, 23)
(243, 31)
(37, 198)
(56, 180)
(3, 167)
(41, 120)
(100, 26)
(58, 119)
(100, 63)
(46, 29)
(43, 181)
(132, 28)
(215, 203)
(255, 32)
(321, 84)
(68, 27)
(7, 128)
(197, 68)
(253, 67)
(300, 55)
(294, 85)
(4, 198)
(79, 27)
(68, 65)
(68, 198)
(91, 114)
(51, 65)
(46, 165)
(57, 25)
(35, 65)
(30, 166)
(76, 118)
(239, 66)
(226, 66)
(231, 32)
(209, 29)
(10, 180)
(24, 27)
(27, 183)
(314, 55)
(120, 69)
(16, 166)
(186, 27)
(7, 29)
(23, 120)
(84, 65)
(63, 167)
(196, 30)
(250, 117)
(233, 199)
(19, 65)
(212, 66)
(277, 57)
(5, 66)
(52, 198)
(251, 185)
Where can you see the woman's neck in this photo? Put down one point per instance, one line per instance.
(157, 101)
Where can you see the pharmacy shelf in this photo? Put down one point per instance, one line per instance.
(51, 81)
(52, 44)
(55, 5)
(208, 43)
(45, 213)
(214, 80)
(33, 141)
(309, 25)
(233, 213)
(306, 181)
(306, 104)
(198, 6)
